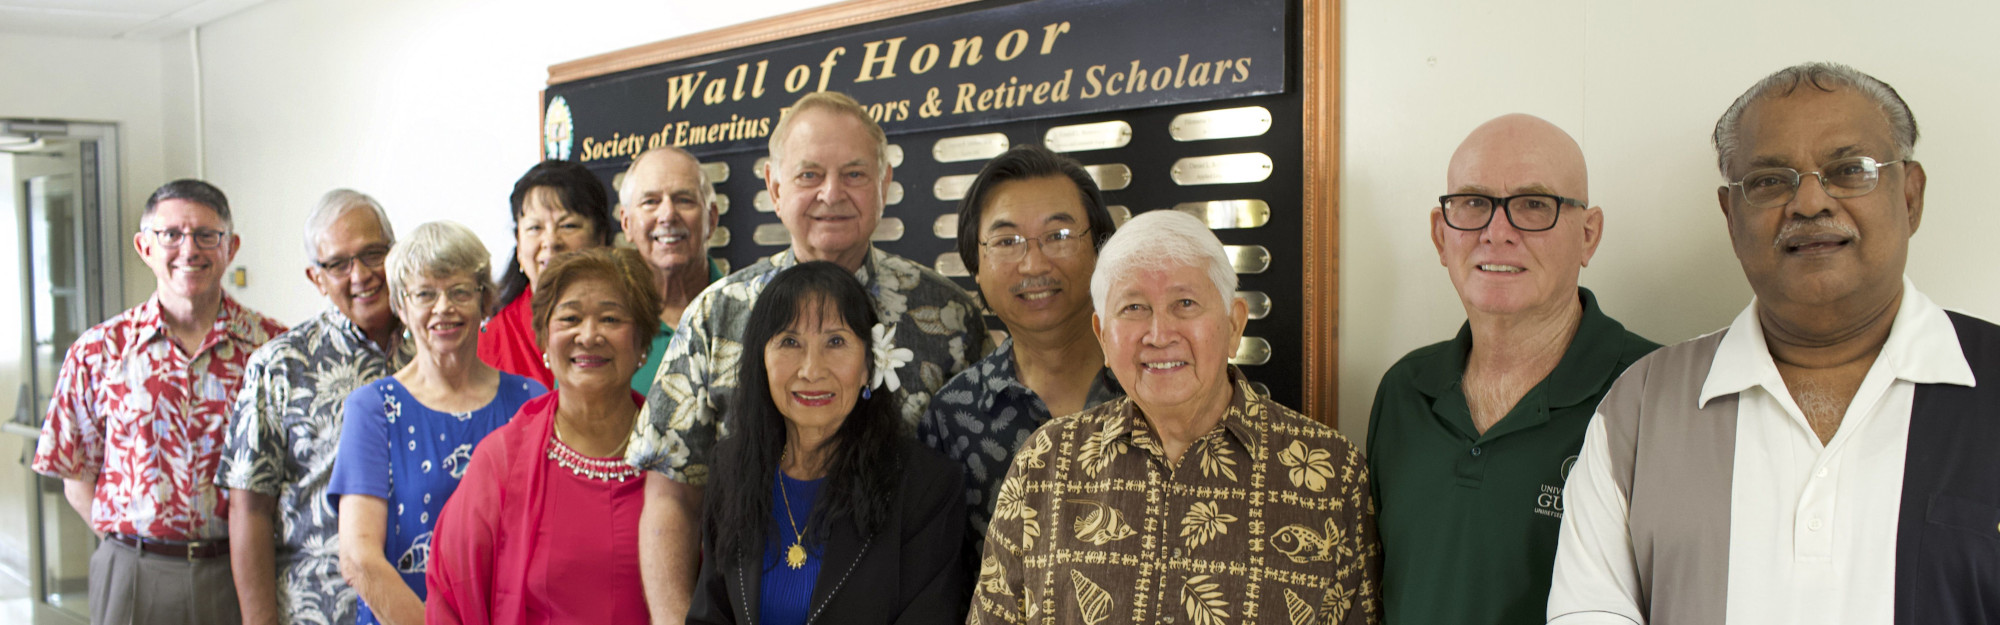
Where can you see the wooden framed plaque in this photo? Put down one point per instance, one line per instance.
(1224, 109)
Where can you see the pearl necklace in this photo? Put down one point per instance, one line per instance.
(603, 470)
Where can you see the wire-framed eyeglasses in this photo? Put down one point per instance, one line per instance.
(1058, 243)
(1841, 178)
(203, 238)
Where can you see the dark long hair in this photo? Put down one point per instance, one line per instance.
(577, 191)
(865, 459)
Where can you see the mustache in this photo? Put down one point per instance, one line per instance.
(1037, 282)
(670, 231)
(1814, 227)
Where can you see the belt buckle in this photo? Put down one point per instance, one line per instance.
(192, 545)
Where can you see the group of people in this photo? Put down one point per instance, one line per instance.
(623, 434)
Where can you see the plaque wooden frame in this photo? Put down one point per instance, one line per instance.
(1319, 83)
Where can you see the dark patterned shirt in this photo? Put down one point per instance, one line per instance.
(981, 416)
(283, 435)
(933, 317)
(1266, 519)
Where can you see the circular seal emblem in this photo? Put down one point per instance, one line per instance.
(1568, 463)
(556, 130)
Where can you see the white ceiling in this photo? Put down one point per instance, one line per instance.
(109, 19)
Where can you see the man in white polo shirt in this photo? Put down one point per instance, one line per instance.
(1827, 458)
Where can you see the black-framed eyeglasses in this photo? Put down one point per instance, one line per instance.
(1527, 212)
(460, 295)
(371, 258)
(1058, 243)
(1854, 176)
(203, 238)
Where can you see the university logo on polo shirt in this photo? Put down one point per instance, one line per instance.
(1549, 502)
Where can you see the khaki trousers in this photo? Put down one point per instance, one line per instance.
(130, 587)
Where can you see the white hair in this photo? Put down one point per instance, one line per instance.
(703, 187)
(333, 206)
(441, 249)
(1161, 239)
(1825, 77)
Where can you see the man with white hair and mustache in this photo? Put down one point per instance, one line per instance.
(1028, 229)
(668, 211)
(1828, 457)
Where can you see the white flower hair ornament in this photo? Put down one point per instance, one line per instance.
(888, 358)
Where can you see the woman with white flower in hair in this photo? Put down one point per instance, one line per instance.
(819, 503)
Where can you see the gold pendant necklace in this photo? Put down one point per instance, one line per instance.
(795, 557)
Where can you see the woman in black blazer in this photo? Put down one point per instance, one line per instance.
(820, 509)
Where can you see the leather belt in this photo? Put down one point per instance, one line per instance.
(196, 550)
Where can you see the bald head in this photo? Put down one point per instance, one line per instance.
(1518, 153)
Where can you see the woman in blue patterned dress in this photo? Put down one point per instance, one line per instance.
(408, 437)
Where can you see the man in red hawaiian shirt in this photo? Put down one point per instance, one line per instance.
(136, 425)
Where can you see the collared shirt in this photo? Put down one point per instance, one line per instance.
(1469, 521)
(933, 317)
(147, 418)
(981, 416)
(283, 436)
(1812, 527)
(642, 380)
(1267, 518)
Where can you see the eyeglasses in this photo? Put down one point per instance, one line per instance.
(1843, 178)
(460, 295)
(1009, 248)
(203, 238)
(370, 258)
(1528, 212)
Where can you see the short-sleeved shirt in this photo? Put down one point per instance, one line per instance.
(412, 457)
(981, 416)
(1469, 521)
(1265, 519)
(642, 380)
(507, 341)
(933, 317)
(148, 420)
(283, 436)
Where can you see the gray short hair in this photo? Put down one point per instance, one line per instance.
(1160, 239)
(706, 188)
(334, 205)
(1826, 77)
(441, 248)
(832, 102)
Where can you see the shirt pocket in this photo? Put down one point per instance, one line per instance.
(1947, 513)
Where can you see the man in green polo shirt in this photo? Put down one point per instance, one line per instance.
(667, 209)
(1471, 439)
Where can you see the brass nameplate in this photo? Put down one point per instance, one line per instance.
(895, 155)
(717, 172)
(969, 147)
(951, 265)
(895, 195)
(720, 237)
(1248, 258)
(721, 263)
(1110, 177)
(1251, 351)
(1222, 169)
(721, 204)
(763, 202)
(757, 168)
(771, 234)
(1225, 214)
(888, 229)
(1258, 303)
(997, 336)
(1261, 389)
(1249, 121)
(946, 226)
(1119, 214)
(1080, 137)
(952, 187)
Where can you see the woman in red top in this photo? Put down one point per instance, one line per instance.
(558, 206)
(544, 527)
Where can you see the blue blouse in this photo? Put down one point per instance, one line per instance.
(786, 593)
(412, 457)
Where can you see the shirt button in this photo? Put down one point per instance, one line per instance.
(1475, 452)
(1813, 525)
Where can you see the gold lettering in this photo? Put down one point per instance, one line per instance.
(887, 61)
(1091, 90)
(1162, 77)
(718, 91)
(1049, 33)
(1242, 69)
(963, 104)
(826, 66)
(924, 58)
(1200, 75)
(966, 49)
(1136, 79)
(681, 88)
(1006, 51)
(742, 72)
(757, 90)
(796, 79)
(1180, 71)
(1062, 86)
